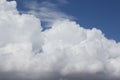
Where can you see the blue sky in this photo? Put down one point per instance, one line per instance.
(102, 14)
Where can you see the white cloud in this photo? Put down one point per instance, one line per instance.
(63, 50)
(46, 11)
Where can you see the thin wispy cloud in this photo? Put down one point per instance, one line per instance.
(63, 1)
(46, 11)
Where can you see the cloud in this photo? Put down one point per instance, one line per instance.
(66, 51)
(63, 1)
(46, 11)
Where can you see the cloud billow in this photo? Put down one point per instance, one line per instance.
(66, 51)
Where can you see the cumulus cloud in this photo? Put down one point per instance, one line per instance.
(67, 51)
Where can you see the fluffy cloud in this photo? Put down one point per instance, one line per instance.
(65, 51)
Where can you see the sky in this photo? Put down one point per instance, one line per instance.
(54, 40)
(102, 14)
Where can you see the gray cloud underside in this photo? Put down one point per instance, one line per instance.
(55, 76)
